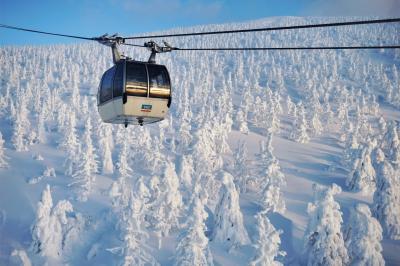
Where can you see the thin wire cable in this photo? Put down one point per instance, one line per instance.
(48, 33)
(333, 24)
(236, 31)
(291, 48)
(134, 45)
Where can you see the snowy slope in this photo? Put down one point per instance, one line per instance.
(216, 96)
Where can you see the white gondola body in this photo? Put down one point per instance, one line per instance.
(150, 110)
(129, 97)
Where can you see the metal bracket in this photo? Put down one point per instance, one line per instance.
(112, 41)
(155, 49)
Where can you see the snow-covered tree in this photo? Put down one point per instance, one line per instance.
(18, 138)
(50, 228)
(271, 184)
(386, 199)
(70, 144)
(241, 121)
(184, 136)
(19, 257)
(391, 144)
(166, 207)
(85, 174)
(241, 167)
(270, 179)
(363, 235)
(352, 151)
(107, 165)
(134, 249)
(3, 157)
(204, 152)
(229, 227)
(362, 178)
(290, 105)
(267, 242)
(316, 125)
(300, 125)
(121, 189)
(186, 172)
(323, 239)
(193, 248)
(40, 126)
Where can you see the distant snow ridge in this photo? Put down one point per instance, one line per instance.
(247, 135)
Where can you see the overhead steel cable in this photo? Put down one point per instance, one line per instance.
(289, 48)
(323, 25)
(121, 40)
(47, 33)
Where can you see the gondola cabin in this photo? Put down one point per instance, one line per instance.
(134, 92)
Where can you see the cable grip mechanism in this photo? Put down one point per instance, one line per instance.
(155, 49)
(112, 41)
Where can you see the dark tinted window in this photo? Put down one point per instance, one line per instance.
(136, 79)
(118, 80)
(159, 81)
(106, 85)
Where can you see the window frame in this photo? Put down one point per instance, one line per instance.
(164, 87)
(139, 86)
(100, 95)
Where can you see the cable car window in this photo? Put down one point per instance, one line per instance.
(159, 82)
(136, 79)
(106, 86)
(118, 80)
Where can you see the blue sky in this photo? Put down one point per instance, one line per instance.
(95, 17)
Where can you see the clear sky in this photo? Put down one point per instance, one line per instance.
(96, 17)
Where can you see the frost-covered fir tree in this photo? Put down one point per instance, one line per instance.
(316, 125)
(241, 121)
(271, 184)
(18, 138)
(69, 138)
(299, 130)
(193, 248)
(391, 144)
(363, 236)
(386, 200)
(323, 239)
(70, 144)
(107, 166)
(267, 243)
(204, 152)
(270, 179)
(40, 126)
(290, 106)
(352, 151)
(22, 135)
(229, 228)
(51, 226)
(85, 174)
(241, 167)
(3, 157)
(135, 236)
(121, 189)
(166, 207)
(186, 173)
(362, 178)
